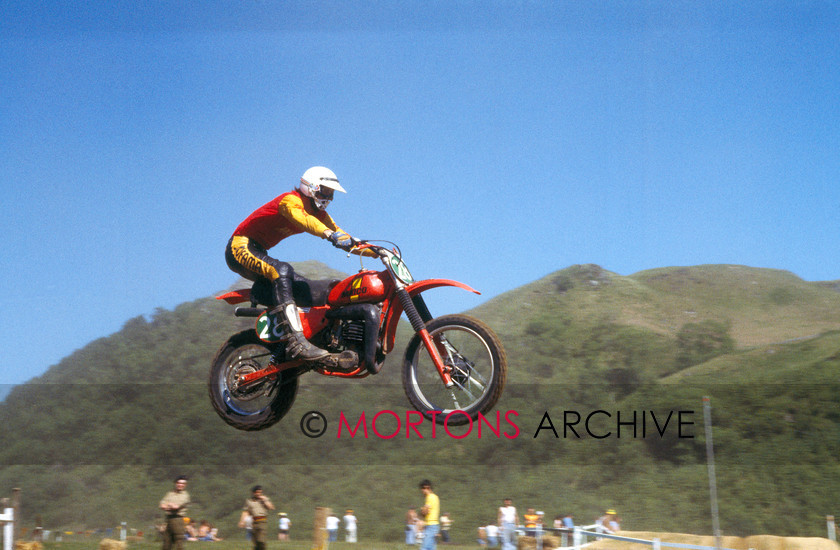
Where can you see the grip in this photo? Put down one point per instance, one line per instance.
(248, 312)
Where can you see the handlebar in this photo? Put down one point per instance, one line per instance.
(362, 245)
(391, 258)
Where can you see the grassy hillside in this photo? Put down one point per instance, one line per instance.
(762, 305)
(97, 439)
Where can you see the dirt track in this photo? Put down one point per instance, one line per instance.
(757, 542)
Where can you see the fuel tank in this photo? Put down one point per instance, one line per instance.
(362, 288)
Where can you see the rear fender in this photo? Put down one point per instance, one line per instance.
(236, 296)
(395, 309)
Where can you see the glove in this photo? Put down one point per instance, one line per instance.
(341, 240)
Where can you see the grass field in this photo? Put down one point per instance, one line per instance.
(761, 542)
(241, 544)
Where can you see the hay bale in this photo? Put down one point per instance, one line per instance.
(24, 545)
(767, 542)
(111, 544)
(549, 542)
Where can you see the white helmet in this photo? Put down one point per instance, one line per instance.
(318, 183)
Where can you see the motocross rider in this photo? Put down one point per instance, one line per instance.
(300, 210)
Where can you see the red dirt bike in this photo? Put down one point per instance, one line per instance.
(452, 363)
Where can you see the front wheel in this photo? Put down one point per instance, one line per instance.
(475, 359)
(258, 405)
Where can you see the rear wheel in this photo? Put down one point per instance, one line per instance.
(258, 405)
(475, 359)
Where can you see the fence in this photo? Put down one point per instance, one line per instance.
(656, 543)
(7, 519)
(581, 536)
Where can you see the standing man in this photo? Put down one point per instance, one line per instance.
(174, 506)
(350, 524)
(283, 526)
(445, 524)
(332, 527)
(431, 514)
(508, 520)
(531, 519)
(257, 507)
(568, 521)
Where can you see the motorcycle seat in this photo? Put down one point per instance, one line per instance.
(306, 292)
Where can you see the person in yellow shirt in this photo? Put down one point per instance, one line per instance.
(431, 514)
(531, 520)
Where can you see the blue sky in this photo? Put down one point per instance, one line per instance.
(495, 141)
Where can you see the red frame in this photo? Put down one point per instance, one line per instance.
(314, 320)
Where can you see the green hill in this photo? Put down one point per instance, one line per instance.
(97, 439)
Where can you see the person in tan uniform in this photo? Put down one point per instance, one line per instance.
(257, 507)
(174, 506)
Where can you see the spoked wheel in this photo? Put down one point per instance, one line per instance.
(474, 357)
(256, 406)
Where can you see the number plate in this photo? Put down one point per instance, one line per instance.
(269, 328)
(401, 270)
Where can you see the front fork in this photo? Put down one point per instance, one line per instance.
(418, 314)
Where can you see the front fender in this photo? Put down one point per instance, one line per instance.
(395, 309)
(422, 286)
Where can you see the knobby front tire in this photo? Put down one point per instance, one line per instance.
(255, 407)
(477, 362)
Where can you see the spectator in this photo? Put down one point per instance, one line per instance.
(190, 530)
(174, 505)
(445, 524)
(207, 533)
(613, 521)
(350, 526)
(332, 527)
(284, 524)
(248, 525)
(492, 531)
(531, 520)
(411, 527)
(568, 521)
(257, 507)
(508, 519)
(604, 523)
(431, 515)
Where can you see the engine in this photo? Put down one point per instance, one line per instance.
(353, 336)
(347, 339)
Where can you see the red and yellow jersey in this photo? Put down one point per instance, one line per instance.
(284, 216)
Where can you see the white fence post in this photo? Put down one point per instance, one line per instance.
(7, 519)
(577, 538)
(832, 530)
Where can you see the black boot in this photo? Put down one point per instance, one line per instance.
(297, 346)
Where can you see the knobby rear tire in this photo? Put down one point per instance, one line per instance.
(479, 365)
(256, 407)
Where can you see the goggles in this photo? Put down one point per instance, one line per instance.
(324, 193)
